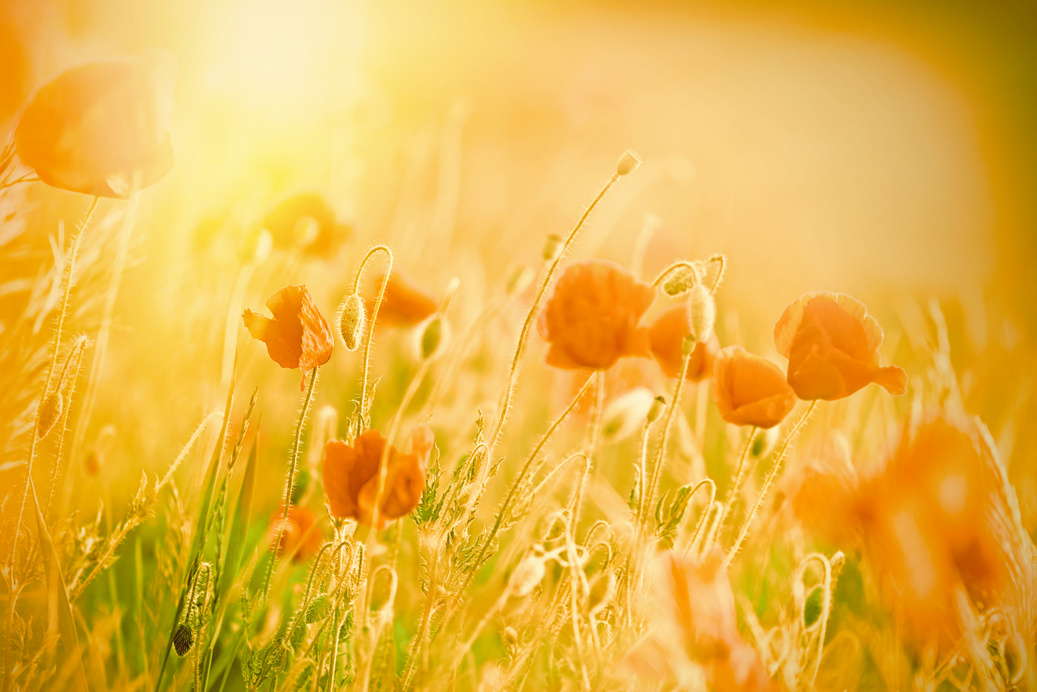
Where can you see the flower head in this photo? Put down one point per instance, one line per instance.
(307, 221)
(351, 476)
(832, 345)
(591, 319)
(96, 127)
(302, 536)
(404, 304)
(298, 336)
(667, 335)
(750, 390)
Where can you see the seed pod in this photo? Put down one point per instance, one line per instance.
(49, 413)
(527, 576)
(352, 320)
(552, 246)
(702, 313)
(318, 609)
(628, 162)
(183, 639)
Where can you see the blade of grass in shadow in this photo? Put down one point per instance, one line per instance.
(201, 528)
(56, 586)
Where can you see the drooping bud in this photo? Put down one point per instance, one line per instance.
(49, 413)
(352, 320)
(628, 163)
(318, 609)
(626, 414)
(510, 640)
(527, 575)
(183, 639)
(658, 404)
(682, 278)
(702, 313)
(552, 246)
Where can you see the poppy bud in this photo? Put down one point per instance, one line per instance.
(352, 320)
(183, 639)
(702, 312)
(527, 576)
(628, 162)
(681, 279)
(318, 609)
(255, 247)
(657, 409)
(510, 639)
(50, 410)
(552, 246)
(626, 413)
(432, 338)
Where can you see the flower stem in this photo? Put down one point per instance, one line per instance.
(290, 485)
(373, 316)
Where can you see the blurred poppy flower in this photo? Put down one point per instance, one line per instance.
(591, 319)
(351, 476)
(307, 221)
(695, 629)
(302, 537)
(298, 336)
(95, 127)
(404, 304)
(750, 390)
(832, 346)
(667, 335)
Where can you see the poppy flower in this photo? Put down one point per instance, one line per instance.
(95, 127)
(832, 345)
(298, 336)
(307, 221)
(403, 305)
(750, 390)
(351, 476)
(667, 335)
(302, 537)
(591, 319)
(695, 628)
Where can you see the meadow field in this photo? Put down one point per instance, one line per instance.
(517, 346)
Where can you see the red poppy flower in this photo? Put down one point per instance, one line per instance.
(298, 336)
(351, 476)
(750, 390)
(95, 127)
(591, 319)
(403, 305)
(832, 346)
(307, 221)
(667, 335)
(302, 537)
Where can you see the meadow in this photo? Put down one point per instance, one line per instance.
(329, 415)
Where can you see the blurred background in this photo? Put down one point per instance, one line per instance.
(883, 149)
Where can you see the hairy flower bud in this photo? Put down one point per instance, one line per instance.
(682, 278)
(702, 313)
(352, 320)
(49, 413)
(527, 575)
(183, 639)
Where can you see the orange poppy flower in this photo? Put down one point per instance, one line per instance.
(95, 127)
(667, 335)
(692, 608)
(404, 304)
(591, 319)
(302, 537)
(307, 221)
(298, 336)
(832, 345)
(750, 390)
(351, 476)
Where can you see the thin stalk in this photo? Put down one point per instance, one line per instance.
(369, 332)
(732, 494)
(767, 483)
(290, 485)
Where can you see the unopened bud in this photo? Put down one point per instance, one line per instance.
(50, 410)
(681, 279)
(527, 576)
(626, 413)
(255, 247)
(658, 404)
(183, 639)
(702, 313)
(432, 337)
(510, 639)
(552, 246)
(318, 609)
(628, 162)
(352, 320)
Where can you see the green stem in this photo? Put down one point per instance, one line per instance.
(369, 332)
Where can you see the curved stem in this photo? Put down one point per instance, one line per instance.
(290, 485)
(767, 483)
(373, 316)
(720, 259)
